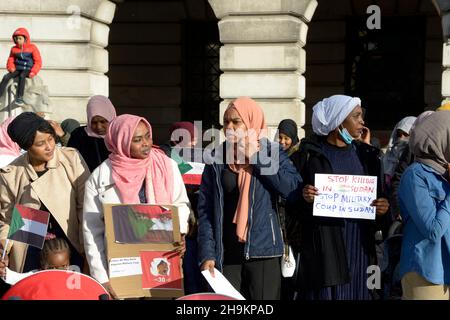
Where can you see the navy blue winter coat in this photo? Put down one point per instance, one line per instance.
(264, 238)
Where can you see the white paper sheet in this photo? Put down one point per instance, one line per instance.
(124, 267)
(221, 285)
(345, 196)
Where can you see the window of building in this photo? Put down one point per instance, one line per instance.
(201, 73)
(385, 68)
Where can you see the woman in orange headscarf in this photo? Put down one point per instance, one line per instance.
(239, 231)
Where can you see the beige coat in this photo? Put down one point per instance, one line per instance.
(60, 189)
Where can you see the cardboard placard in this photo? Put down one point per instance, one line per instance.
(131, 229)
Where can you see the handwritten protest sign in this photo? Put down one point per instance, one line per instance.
(345, 196)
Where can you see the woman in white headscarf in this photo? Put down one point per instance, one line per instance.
(335, 252)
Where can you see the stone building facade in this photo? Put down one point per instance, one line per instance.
(174, 59)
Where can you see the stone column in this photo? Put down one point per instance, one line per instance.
(71, 36)
(443, 7)
(263, 56)
(446, 73)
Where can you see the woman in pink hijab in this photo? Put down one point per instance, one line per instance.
(238, 229)
(135, 172)
(9, 150)
(89, 139)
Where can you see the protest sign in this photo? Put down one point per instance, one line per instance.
(133, 229)
(345, 196)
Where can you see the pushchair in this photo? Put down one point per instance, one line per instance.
(390, 261)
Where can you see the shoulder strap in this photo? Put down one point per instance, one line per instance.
(280, 206)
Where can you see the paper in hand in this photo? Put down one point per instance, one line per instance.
(221, 285)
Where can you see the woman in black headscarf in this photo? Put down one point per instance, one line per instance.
(45, 178)
(287, 136)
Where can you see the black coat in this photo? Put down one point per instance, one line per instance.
(92, 149)
(406, 159)
(319, 240)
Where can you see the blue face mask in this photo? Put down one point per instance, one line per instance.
(346, 137)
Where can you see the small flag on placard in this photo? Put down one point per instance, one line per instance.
(28, 226)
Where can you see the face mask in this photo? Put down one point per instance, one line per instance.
(346, 137)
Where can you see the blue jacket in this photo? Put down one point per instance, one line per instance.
(424, 198)
(264, 238)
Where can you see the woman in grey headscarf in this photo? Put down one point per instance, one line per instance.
(397, 143)
(64, 130)
(335, 252)
(424, 197)
(405, 158)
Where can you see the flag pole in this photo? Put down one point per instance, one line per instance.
(5, 249)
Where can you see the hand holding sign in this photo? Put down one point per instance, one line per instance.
(109, 288)
(382, 206)
(309, 192)
(181, 249)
